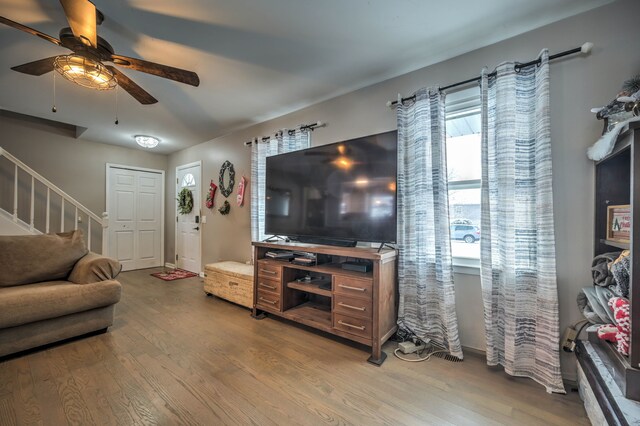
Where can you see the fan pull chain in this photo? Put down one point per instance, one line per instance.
(53, 108)
(116, 122)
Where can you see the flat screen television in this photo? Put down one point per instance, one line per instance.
(342, 192)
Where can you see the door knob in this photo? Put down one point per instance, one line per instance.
(197, 228)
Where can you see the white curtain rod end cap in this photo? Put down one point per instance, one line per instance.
(586, 48)
(389, 103)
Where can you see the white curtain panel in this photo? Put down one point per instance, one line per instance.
(518, 268)
(425, 271)
(284, 142)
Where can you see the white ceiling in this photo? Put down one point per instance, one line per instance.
(256, 59)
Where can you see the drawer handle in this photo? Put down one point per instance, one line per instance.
(273, 302)
(356, 308)
(270, 287)
(266, 271)
(232, 283)
(346, 324)
(348, 287)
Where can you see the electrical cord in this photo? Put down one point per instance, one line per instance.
(419, 359)
(586, 323)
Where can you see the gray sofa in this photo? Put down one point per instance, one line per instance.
(51, 289)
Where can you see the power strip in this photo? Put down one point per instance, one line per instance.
(569, 339)
(410, 347)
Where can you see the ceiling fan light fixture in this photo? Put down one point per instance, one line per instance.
(146, 141)
(85, 72)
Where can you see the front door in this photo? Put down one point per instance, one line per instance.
(189, 225)
(135, 204)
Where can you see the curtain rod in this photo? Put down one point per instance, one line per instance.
(584, 49)
(311, 127)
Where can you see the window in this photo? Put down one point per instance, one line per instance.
(464, 173)
(188, 180)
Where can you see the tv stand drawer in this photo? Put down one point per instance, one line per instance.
(270, 285)
(355, 287)
(268, 271)
(352, 306)
(268, 300)
(358, 326)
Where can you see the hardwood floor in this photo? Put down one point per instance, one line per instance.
(175, 356)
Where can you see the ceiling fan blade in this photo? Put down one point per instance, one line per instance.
(165, 71)
(132, 88)
(29, 30)
(40, 67)
(81, 15)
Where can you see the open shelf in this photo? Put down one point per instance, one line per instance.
(617, 244)
(309, 288)
(311, 314)
(331, 268)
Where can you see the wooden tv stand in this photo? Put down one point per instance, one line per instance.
(359, 306)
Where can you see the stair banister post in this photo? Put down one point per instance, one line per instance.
(105, 233)
(48, 210)
(33, 202)
(15, 193)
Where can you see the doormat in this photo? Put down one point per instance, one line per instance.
(175, 274)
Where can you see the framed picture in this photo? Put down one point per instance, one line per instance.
(619, 223)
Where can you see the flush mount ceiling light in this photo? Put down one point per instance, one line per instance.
(85, 72)
(147, 141)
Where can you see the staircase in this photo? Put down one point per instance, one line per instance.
(30, 204)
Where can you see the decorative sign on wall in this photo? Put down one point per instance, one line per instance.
(228, 174)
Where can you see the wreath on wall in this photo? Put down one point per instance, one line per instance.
(226, 207)
(185, 201)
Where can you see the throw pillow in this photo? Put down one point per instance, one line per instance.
(28, 259)
(620, 307)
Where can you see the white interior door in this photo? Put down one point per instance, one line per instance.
(188, 228)
(135, 207)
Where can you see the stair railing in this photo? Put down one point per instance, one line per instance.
(66, 201)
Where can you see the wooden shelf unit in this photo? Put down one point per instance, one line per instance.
(360, 306)
(617, 182)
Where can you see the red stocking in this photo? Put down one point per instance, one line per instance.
(211, 195)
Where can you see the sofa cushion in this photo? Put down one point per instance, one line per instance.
(93, 268)
(28, 259)
(34, 302)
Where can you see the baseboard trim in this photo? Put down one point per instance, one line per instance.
(474, 351)
(169, 265)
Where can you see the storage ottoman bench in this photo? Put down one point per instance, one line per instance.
(232, 281)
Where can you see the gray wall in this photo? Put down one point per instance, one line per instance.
(577, 84)
(76, 166)
(225, 237)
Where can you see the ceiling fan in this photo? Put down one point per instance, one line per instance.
(85, 66)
